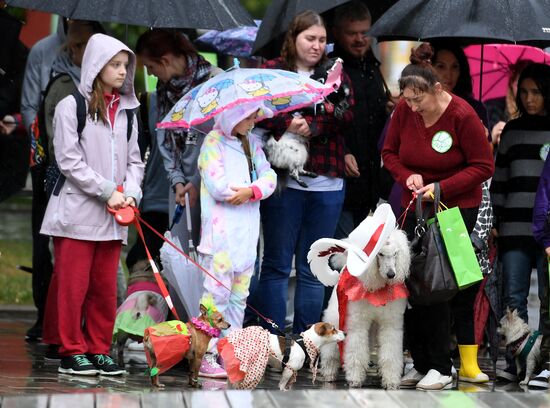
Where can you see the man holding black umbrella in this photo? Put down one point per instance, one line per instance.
(351, 21)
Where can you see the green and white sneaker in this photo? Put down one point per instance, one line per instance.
(105, 364)
(78, 365)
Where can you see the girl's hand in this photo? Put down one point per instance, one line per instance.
(129, 202)
(547, 250)
(188, 188)
(242, 195)
(415, 182)
(426, 192)
(116, 201)
(299, 126)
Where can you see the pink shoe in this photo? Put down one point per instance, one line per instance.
(210, 367)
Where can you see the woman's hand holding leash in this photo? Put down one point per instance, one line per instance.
(427, 192)
(242, 195)
(415, 182)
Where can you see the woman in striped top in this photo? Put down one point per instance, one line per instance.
(523, 148)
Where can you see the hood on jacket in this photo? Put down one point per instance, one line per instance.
(99, 51)
(226, 121)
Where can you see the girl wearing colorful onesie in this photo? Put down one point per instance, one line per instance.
(235, 177)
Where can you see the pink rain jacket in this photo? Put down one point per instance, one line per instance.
(103, 158)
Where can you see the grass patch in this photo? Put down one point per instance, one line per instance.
(15, 285)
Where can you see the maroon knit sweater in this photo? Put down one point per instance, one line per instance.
(460, 170)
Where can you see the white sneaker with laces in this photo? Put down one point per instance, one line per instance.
(435, 381)
(411, 378)
(540, 381)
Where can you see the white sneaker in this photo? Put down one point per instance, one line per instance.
(540, 382)
(410, 379)
(435, 381)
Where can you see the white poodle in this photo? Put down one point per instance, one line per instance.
(387, 272)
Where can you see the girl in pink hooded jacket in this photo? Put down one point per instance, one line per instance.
(87, 240)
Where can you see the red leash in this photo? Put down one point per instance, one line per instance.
(404, 214)
(137, 220)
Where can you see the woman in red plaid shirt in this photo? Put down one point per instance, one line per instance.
(294, 217)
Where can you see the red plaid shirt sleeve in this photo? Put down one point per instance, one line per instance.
(327, 143)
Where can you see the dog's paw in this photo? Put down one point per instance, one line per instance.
(390, 386)
(327, 377)
(524, 382)
(355, 384)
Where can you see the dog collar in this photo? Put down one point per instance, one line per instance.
(205, 328)
(526, 349)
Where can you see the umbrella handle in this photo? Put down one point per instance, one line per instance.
(189, 226)
(188, 213)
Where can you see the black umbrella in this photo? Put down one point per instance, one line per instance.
(281, 12)
(470, 21)
(210, 14)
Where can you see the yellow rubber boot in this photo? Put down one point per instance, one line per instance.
(469, 370)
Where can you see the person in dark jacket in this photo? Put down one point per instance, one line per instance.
(362, 158)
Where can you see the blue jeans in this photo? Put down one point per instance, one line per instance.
(292, 221)
(517, 265)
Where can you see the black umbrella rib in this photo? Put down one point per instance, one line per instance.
(224, 6)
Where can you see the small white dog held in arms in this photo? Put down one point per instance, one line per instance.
(289, 152)
(370, 289)
(524, 344)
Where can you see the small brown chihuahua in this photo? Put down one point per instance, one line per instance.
(188, 339)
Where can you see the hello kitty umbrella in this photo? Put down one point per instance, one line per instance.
(278, 90)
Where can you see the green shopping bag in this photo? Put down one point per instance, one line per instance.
(459, 248)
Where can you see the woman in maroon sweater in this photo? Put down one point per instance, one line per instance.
(435, 136)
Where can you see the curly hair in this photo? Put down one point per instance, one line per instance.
(300, 23)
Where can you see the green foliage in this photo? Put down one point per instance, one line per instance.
(256, 8)
(15, 285)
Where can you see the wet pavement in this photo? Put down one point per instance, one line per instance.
(27, 379)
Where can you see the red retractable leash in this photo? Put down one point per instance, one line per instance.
(130, 215)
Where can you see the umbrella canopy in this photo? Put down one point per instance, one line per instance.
(210, 14)
(471, 21)
(235, 41)
(281, 12)
(498, 65)
(277, 90)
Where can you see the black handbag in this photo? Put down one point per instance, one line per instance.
(431, 278)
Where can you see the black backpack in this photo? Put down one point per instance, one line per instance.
(54, 178)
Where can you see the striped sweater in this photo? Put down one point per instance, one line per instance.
(521, 153)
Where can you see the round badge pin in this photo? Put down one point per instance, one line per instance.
(442, 141)
(543, 153)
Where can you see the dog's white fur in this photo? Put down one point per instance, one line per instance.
(513, 327)
(391, 267)
(330, 336)
(289, 152)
